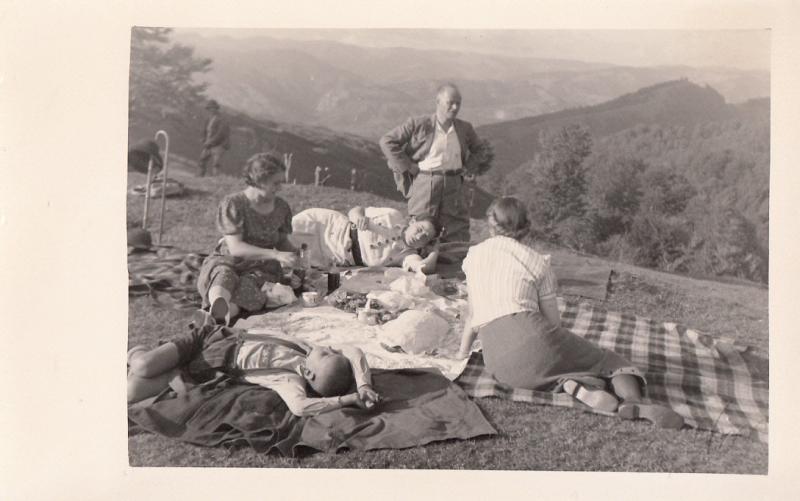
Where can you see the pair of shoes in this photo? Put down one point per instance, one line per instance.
(201, 318)
(597, 399)
(220, 311)
(660, 415)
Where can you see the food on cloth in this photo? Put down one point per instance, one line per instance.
(346, 300)
(415, 331)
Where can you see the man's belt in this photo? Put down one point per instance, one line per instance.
(454, 172)
(355, 247)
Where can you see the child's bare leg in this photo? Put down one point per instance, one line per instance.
(151, 371)
(155, 362)
(140, 388)
(627, 387)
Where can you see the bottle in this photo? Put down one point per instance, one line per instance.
(303, 258)
(334, 278)
(302, 263)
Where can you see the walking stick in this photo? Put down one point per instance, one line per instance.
(164, 182)
(163, 186)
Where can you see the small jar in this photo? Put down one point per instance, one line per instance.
(367, 316)
(311, 299)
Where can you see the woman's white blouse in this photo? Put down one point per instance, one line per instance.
(505, 276)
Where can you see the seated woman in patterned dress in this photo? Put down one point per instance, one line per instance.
(369, 236)
(513, 310)
(255, 224)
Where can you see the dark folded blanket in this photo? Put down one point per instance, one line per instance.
(220, 412)
(420, 407)
(167, 275)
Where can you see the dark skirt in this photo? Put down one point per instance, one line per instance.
(523, 351)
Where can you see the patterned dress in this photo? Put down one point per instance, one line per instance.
(506, 279)
(244, 278)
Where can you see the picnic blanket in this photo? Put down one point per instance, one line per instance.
(419, 407)
(705, 379)
(166, 274)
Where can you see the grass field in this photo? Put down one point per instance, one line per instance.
(530, 437)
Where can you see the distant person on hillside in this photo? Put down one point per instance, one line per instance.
(513, 309)
(327, 176)
(255, 225)
(429, 156)
(216, 140)
(367, 237)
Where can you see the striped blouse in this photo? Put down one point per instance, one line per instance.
(505, 276)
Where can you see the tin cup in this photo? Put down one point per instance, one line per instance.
(367, 316)
(311, 299)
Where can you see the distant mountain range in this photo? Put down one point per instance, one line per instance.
(366, 91)
(679, 102)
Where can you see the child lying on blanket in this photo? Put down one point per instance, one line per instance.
(275, 361)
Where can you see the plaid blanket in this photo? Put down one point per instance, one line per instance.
(704, 379)
(167, 275)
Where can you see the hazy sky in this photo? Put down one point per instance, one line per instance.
(744, 49)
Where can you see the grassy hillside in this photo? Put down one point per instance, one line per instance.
(310, 146)
(530, 437)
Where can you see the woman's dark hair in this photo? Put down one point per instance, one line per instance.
(261, 167)
(508, 217)
(437, 226)
(437, 230)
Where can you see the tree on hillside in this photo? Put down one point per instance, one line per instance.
(666, 192)
(556, 189)
(725, 243)
(615, 193)
(162, 74)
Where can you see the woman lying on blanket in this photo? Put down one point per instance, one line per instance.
(513, 309)
(367, 237)
(276, 361)
(254, 224)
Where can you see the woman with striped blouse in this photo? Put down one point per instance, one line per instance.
(513, 309)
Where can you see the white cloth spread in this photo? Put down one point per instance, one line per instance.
(327, 325)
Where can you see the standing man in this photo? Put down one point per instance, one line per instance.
(216, 140)
(429, 156)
